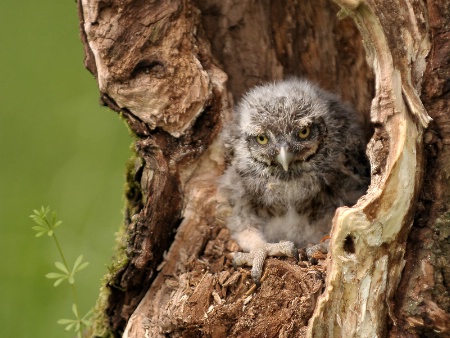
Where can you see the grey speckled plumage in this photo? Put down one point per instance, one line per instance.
(297, 153)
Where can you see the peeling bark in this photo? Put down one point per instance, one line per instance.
(173, 70)
(378, 225)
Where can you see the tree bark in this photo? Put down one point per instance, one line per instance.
(173, 70)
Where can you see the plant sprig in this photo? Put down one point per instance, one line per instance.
(47, 225)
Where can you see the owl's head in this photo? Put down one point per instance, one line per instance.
(288, 128)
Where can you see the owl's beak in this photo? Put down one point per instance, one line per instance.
(284, 157)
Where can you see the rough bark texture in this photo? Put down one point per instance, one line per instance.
(164, 65)
(423, 307)
(368, 241)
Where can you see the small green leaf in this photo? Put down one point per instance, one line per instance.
(54, 275)
(87, 315)
(39, 221)
(37, 213)
(82, 266)
(62, 267)
(70, 323)
(65, 321)
(77, 327)
(57, 224)
(86, 320)
(75, 309)
(78, 266)
(71, 280)
(50, 233)
(77, 262)
(39, 234)
(39, 228)
(59, 281)
(44, 211)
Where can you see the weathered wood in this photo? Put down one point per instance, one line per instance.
(422, 308)
(368, 241)
(164, 65)
(152, 66)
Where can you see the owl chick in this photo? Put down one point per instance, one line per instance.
(297, 153)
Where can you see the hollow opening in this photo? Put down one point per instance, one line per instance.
(256, 43)
(349, 245)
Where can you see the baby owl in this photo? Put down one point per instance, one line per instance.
(297, 153)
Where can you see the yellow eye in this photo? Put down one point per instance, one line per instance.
(262, 139)
(304, 133)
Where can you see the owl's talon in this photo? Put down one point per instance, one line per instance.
(314, 251)
(283, 249)
(256, 276)
(257, 257)
(254, 259)
(242, 258)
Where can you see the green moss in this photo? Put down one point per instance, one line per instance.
(133, 195)
(100, 322)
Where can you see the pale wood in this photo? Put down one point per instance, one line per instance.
(362, 280)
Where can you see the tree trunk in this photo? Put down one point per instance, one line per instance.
(173, 69)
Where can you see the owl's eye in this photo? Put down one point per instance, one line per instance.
(304, 133)
(262, 139)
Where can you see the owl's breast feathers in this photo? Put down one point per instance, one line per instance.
(297, 153)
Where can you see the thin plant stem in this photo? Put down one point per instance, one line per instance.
(60, 252)
(74, 290)
(77, 312)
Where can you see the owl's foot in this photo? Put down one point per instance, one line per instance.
(312, 252)
(256, 258)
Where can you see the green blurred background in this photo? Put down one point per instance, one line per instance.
(58, 147)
